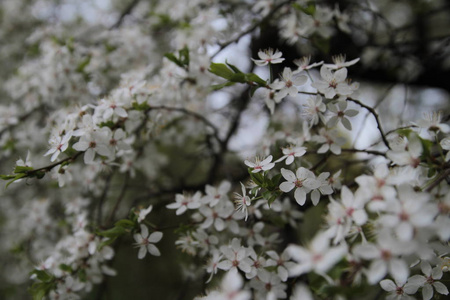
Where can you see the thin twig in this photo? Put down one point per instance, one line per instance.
(373, 152)
(193, 114)
(119, 200)
(251, 28)
(375, 115)
(125, 12)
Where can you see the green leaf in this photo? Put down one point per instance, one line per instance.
(125, 223)
(83, 64)
(173, 58)
(113, 232)
(66, 268)
(141, 107)
(19, 176)
(238, 77)
(184, 56)
(221, 70)
(22, 169)
(404, 132)
(7, 177)
(42, 275)
(106, 243)
(217, 87)
(309, 9)
(275, 180)
(40, 289)
(256, 177)
(256, 79)
(234, 68)
(82, 275)
(267, 195)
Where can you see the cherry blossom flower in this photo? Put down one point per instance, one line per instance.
(324, 187)
(318, 256)
(339, 62)
(445, 144)
(281, 262)
(143, 212)
(303, 181)
(290, 153)
(333, 83)
(398, 290)
(301, 292)
(330, 141)
(236, 257)
(185, 202)
(409, 213)
(429, 281)
(269, 285)
(259, 165)
(231, 288)
(313, 110)
(215, 195)
(303, 64)
(385, 257)
(145, 241)
(213, 263)
(257, 266)
(432, 122)
(242, 201)
(341, 113)
(58, 144)
(287, 85)
(268, 57)
(92, 143)
(407, 153)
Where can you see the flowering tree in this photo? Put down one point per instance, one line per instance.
(220, 150)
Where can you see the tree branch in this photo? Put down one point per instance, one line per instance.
(375, 115)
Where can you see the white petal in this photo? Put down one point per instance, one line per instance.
(440, 288)
(300, 196)
(388, 285)
(142, 252)
(153, 250)
(286, 186)
(315, 197)
(376, 271)
(427, 292)
(340, 75)
(398, 269)
(346, 123)
(144, 231)
(155, 237)
(288, 175)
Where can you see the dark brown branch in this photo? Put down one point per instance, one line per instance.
(437, 180)
(193, 114)
(50, 167)
(125, 12)
(375, 115)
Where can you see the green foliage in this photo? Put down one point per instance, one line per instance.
(183, 58)
(270, 185)
(309, 8)
(233, 75)
(40, 289)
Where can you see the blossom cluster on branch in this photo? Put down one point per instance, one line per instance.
(131, 136)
